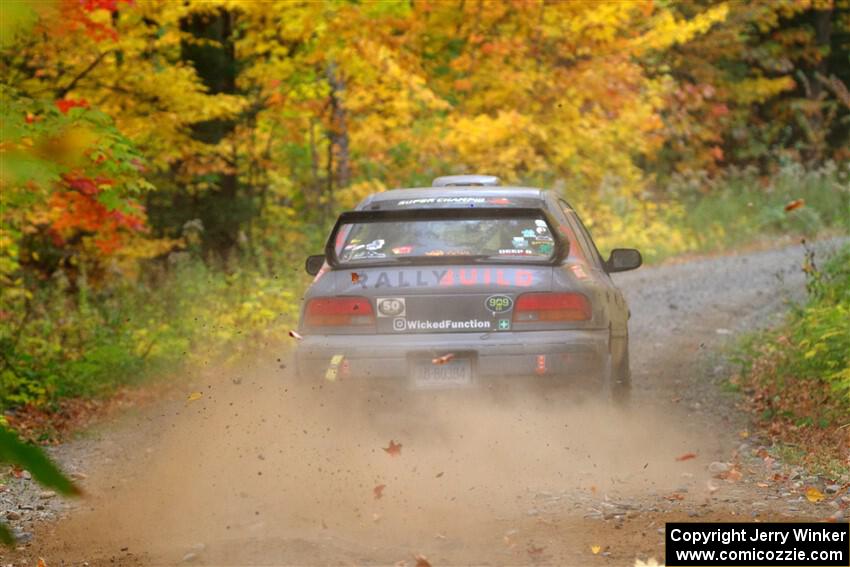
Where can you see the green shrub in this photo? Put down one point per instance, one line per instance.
(798, 375)
(86, 343)
(702, 214)
(821, 330)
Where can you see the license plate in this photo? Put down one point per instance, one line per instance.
(452, 374)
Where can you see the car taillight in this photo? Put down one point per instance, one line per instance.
(339, 312)
(544, 307)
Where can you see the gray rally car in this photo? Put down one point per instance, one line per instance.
(464, 283)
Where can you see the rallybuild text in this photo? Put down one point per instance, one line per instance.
(696, 544)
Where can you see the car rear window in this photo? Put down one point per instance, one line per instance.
(497, 239)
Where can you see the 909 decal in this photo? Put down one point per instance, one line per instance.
(499, 303)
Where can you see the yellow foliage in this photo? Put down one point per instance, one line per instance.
(667, 31)
(650, 227)
(502, 144)
(356, 192)
(750, 91)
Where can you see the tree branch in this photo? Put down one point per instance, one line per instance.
(65, 90)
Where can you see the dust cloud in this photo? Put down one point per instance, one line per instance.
(265, 469)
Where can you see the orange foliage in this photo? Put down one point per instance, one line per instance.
(78, 210)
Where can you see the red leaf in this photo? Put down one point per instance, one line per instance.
(394, 449)
(686, 457)
(716, 152)
(378, 491)
(66, 104)
(795, 204)
(442, 359)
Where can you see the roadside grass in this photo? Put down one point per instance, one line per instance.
(741, 208)
(67, 346)
(821, 463)
(797, 376)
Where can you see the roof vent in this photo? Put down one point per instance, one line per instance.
(466, 180)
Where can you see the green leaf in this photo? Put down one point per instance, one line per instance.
(5, 535)
(110, 199)
(30, 457)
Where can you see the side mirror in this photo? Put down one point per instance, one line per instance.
(314, 264)
(623, 259)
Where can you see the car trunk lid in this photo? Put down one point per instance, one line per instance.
(442, 298)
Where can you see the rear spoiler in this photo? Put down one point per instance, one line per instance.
(466, 213)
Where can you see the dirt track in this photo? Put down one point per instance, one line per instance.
(262, 470)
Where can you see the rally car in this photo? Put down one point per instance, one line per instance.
(462, 284)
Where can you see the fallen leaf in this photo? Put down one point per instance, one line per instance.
(734, 475)
(593, 489)
(743, 434)
(509, 542)
(378, 491)
(442, 359)
(355, 277)
(422, 561)
(41, 562)
(673, 497)
(814, 495)
(332, 371)
(194, 396)
(686, 457)
(795, 204)
(295, 335)
(532, 550)
(439, 474)
(595, 549)
(394, 449)
(762, 484)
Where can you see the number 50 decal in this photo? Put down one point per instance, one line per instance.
(391, 307)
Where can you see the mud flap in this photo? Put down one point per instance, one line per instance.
(618, 379)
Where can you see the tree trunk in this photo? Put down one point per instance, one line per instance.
(223, 208)
(339, 126)
(823, 38)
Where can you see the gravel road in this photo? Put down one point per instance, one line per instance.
(262, 470)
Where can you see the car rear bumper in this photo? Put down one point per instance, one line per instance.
(572, 355)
